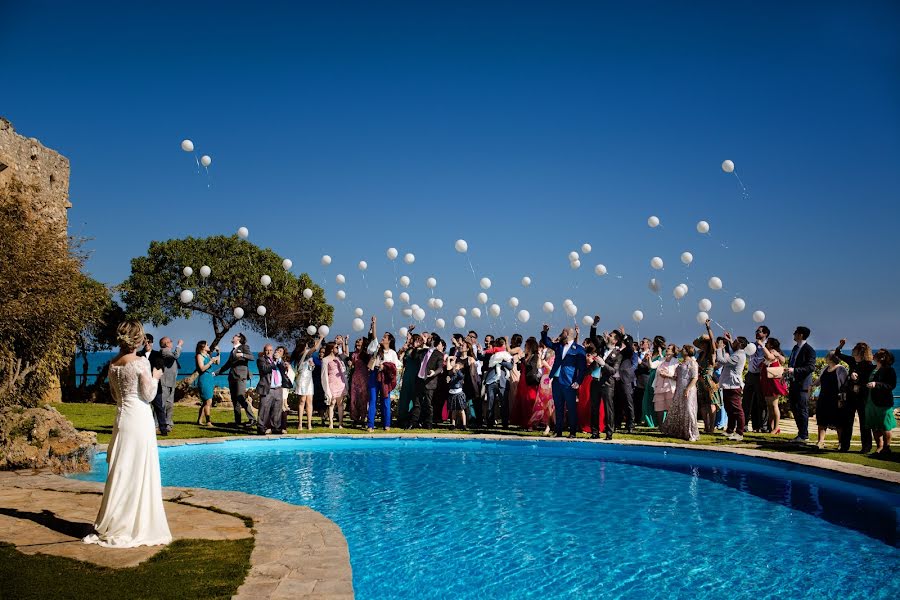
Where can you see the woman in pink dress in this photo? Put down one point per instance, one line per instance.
(359, 394)
(334, 384)
(543, 404)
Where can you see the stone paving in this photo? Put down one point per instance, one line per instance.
(297, 552)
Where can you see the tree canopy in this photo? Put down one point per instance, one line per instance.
(152, 292)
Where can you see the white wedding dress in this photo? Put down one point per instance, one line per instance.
(132, 512)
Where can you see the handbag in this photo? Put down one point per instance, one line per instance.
(775, 372)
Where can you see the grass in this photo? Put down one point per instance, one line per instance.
(99, 418)
(184, 569)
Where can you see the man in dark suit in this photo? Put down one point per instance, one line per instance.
(568, 370)
(156, 362)
(271, 378)
(801, 366)
(605, 370)
(238, 376)
(426, 383)
(625, 381)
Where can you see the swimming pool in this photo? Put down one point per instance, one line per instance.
(538, 519)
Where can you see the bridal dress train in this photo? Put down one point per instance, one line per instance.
(132, 512)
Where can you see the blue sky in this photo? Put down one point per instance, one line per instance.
(526, 128)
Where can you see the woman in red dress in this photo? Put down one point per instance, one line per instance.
(527, 389)
(773, 387)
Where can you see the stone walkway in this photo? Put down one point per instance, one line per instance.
(297, 552)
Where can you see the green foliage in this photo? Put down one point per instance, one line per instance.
(47, 301)
(152, 291)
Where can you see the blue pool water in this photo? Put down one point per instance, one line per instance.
(533, 519)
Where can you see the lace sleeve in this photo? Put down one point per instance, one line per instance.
(147, 385)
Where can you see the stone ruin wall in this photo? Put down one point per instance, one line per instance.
(34, 164)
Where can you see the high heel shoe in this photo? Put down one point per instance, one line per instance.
(777, 431)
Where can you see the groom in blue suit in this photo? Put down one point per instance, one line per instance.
(568, 370)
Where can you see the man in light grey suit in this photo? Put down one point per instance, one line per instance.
(170, 366)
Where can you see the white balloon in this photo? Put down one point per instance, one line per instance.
(571, 310)
(759, 316)
(287, 264)
(750, 349)
(243, 233)
(307, 293)
(462, 312)
(187, 145)
(403, 332)
(587, 320)
(341, 294)
(459, 321)
(205, 160)
(311, 330)
(494, 309)
(513, 302)
(323, 330)
(205, 271)
(340, 279)
(705, 304)
(358, 312)
(392, 253)
(389, 303)
(357, 324)
(476, 312)
(728, 166)
(638, 316)
(715, 283)
(586, 248)
(656, 262)
(702, 227)
(678, 292)
(687, 258)
(414, 306)
(388, 294)
(261, 310)
(461, 246)
(363, 265)
(404, 297)
(438, 303)
(654, 285)
(409, 258)
(187, 271)
(419, 314)
(186, 296)
(483, 298)
(265, 280)
(326, 260)
(523, 316)
(573, 256)
(526, 281)
(431, 302)
(702, 317)
(439, 323)
(404, 281)
(548, 307)
(600, 270)
(575, 264)
(431, 282)
(653, 221)
(738, 305)
(567, 302)
(238, 313)
(485, 283)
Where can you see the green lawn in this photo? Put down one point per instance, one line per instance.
(183, 569)
(99, 418)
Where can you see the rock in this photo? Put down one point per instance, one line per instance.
(37, 438)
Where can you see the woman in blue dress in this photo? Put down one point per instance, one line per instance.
(205, 382)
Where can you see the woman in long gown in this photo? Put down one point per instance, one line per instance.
(681, 421)
(543, 404)
(359, 395)
(131, 513)
(529, 380)
(411, 356)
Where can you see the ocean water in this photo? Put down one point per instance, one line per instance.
(533, 519)
(96, 361)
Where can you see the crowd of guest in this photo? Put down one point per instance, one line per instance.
(607, 383)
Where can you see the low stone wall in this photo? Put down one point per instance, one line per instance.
(40, 438)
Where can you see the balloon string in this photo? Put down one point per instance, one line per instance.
(468, 260)
(266, 325)
(197, 160)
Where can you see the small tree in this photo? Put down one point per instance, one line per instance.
(100, 333)
(152, 292)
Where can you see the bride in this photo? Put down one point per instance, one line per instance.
(132, 512)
